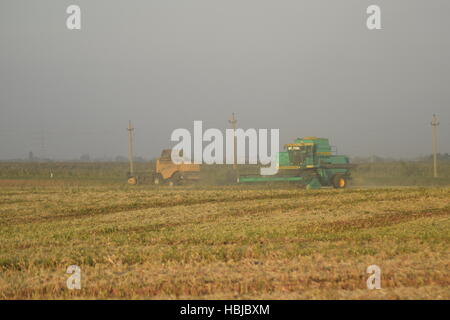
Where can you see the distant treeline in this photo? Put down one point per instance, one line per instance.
(401, 173)
(366, 173)
(69, 170)
(444, 157)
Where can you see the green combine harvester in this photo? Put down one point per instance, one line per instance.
(310, 162)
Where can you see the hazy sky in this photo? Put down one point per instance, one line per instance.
(306, 67)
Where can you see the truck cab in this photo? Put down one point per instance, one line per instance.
(167, 172)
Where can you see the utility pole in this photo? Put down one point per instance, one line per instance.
(43, 151)
(233, 122)
(130, 130)
(434, 124)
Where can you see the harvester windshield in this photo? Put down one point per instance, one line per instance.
(299, 154)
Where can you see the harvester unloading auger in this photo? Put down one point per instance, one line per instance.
(310, 162)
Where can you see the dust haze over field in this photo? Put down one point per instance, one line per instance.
(306, 67)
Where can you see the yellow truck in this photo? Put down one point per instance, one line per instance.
(167, 172)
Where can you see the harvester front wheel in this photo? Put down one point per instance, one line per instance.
(339, 182)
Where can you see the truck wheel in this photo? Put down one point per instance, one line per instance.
(175, 179)
(158, 179)
(132, 180)
(339, 182)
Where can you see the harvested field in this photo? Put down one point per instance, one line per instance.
(222, 242)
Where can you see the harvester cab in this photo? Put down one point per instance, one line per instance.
(301, 155)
